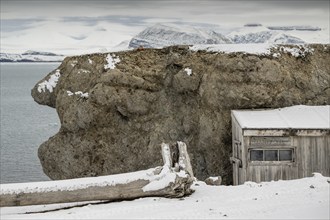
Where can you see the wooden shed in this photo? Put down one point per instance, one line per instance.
(286, 143)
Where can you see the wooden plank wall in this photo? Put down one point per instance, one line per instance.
(236, 136)
(262, 173)
(312, 154)
(237, 151)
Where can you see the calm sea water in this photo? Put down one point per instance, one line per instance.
(24, 123)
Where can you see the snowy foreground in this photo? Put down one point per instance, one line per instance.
(306, 198)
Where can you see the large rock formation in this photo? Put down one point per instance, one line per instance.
(115, 116)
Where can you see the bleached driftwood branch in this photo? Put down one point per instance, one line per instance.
(171, 180)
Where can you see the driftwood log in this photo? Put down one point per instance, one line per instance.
(171, 180)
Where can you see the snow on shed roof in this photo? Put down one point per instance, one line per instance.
(294, 117)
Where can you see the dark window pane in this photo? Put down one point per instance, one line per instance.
(256, 155)
(271, 155)
(286, 155)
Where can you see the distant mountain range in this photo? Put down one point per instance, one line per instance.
(167, 34)
(31, 56)
(161, 35)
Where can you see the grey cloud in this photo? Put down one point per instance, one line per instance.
(72, 3)
(135, 13)
(80, 37)
(124, 20)
(287, 4)
(298, 4)
(9, 25)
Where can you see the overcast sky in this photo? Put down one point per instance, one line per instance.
(280, 12)
(19, 17)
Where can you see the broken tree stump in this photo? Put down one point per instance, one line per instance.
(173, 179)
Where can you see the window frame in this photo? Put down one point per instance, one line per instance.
(274, 162)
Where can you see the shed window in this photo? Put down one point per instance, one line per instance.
(271, 155)
(257, 155)
(285, 155)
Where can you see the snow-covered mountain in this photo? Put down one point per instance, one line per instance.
(31, 56)
(261, 34)
(161, 35)
(105, 38)
(291, 28)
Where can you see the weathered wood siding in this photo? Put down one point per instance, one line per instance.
(238, 151)
(311, 154)
(260, 173)
(236, 139)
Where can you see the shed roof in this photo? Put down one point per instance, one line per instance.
(294, 117)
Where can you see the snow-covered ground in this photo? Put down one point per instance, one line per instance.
(306, 198)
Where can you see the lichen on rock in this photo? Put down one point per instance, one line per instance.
(148, 98)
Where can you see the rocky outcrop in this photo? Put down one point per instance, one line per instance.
(115, 116)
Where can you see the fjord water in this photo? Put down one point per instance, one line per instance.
(24, 123)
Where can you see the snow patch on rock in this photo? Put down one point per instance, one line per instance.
(188, 71)
(299, 51)
(260, 49)
(49, 84)
(79, 93)
(276, 55)
(83, 71)
(69, 93)
(112, 60)
(214, 178)
(74, 63)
